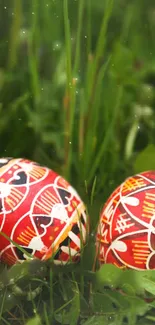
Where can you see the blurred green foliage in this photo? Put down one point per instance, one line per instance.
(77, 93)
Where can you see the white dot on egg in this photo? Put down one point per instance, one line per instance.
(27, 167)
(17, 177)
(119, 246)
(130, 200)
(5, 190)
(3, 160)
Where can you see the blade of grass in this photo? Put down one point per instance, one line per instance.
(14, 33)
(92, 81)
(93, 191)
(47, 322)
(100, 47)
(2, 304)
(51, 296)
(81, 124)
(104, 144)
(94, 119)
(32, 53)
(15, 244)
(78, 37)
(130, 140)
(89, 29)
(68, 45)
(69, 90)
(71, 82)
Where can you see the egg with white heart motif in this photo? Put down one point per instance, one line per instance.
(126, 230)
(41, 215)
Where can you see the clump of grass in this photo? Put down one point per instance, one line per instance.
(77, 94)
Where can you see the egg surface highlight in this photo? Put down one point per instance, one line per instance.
(40, 212)
(126, 230)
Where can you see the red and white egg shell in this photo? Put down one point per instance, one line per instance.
(126, 231)
(41, 212)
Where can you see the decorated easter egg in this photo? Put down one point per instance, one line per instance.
(41, 215)
(126, 230)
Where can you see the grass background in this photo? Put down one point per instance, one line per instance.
(77, 93)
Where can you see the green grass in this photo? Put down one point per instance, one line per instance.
(77, 93)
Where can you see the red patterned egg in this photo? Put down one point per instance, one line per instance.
(126, 231)
(40, 212)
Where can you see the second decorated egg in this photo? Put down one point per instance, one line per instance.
(126, 231)
(40, 212)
